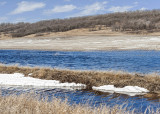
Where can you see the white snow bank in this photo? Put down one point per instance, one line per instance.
(18, 79)
(129, 90)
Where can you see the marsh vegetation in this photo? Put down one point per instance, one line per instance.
(90, 78)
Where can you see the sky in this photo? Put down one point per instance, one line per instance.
(14, 11)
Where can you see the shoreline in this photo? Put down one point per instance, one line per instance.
(83, 43)
(89, 78)
(27, 49)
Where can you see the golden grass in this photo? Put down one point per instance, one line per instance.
(31, 105)
(90, 78)
(105, 31)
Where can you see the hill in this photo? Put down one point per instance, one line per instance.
(136, 22)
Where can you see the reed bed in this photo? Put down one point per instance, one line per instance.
(24, 104)
(90, 78)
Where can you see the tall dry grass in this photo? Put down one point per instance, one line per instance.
(90, 78)
(31, 105)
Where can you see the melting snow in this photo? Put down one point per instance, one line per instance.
(129, 90)
(18, 79)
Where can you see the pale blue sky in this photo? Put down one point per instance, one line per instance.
(35, 10)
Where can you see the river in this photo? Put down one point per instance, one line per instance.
(129, 61)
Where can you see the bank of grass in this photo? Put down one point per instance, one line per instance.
(31, 105)
(90, 78)
(28, 105)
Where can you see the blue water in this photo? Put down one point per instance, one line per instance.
(130, 61)
(93, 98)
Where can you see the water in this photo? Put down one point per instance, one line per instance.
(130, 61)
(92, 98)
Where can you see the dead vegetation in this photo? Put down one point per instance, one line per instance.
(28, 105)
(136, 22)
(90, 78)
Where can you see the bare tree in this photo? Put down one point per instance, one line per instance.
(127, 21)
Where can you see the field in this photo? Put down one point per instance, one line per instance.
(82, 43)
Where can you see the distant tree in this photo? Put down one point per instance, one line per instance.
(126, 21)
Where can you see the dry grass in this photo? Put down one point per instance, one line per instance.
(29, 105)
(90, 78)
(105, 31)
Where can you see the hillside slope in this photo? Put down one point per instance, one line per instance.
(131, 22)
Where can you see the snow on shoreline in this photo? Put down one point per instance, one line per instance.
(129, 90)
(18, 79)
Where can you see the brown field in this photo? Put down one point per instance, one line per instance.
(90, 78)
(83, 32)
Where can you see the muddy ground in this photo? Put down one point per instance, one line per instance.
(83, 43)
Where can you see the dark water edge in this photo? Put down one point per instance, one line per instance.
(129, 61)
(92, 98)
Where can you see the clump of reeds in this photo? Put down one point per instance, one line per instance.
(90, 78)
(29, 105)
(25, 104)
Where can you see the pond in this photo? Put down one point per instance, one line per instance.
(129, 61)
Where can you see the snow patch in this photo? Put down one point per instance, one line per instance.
(129, 90)
(29, 41)
(18, 79)
(97, 42)
(155, 39)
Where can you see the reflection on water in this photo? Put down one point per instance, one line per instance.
(131, 61)
(92, 98)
